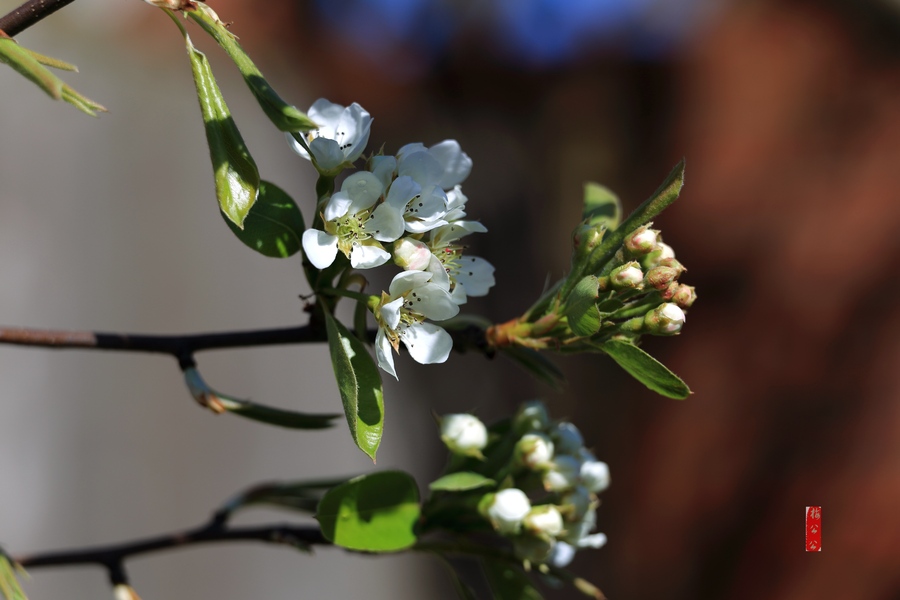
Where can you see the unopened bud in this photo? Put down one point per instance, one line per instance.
(531, 416)
(576, 503)
(561, 555)
(506, 509)
(464, 434)
(673, 263)
(662, 252)
(641, 241)
(668, 293)
(534, 451)
(410, 254)
(544, 520)
(665, 319)
(587, 237)
(660, 277)
(684, 296)
(595, 475)
(627, 276)
(563, 475)
(567, 438)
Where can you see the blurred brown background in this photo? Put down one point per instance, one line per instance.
(787, 113)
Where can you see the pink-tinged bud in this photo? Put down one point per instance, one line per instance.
(669, 292)
(411, 255)
(628, 276)
(662, 252)
(672, 263)
(660, 277)
(684, 296)
(665, 319)
(641, 241)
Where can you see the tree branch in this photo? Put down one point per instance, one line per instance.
(28, 14)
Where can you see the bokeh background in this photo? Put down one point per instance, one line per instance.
(787, 113)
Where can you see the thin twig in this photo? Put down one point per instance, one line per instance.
(28, 14)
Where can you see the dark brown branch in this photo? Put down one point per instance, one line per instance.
(28, 14)
(111, 557)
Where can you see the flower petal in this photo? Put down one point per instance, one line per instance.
(403, 189)
(364, 256)
(432, 301)
(383, 167)
(327, 154)
(427, 343)
(407, 280)
(320, 248)
(352, 131)
(363, 188)
(336, 207)
(386, 224)
(383, 353)
(476, 275)
(296, 146)
(422, 167)
(456, 164)
(390, 313)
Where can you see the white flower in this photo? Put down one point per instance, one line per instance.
(464, 434)
(544, 520)
(444, 164)
(534, 450)
(341, 137)
(567, 437)
(412, 298)
(595, 475)
(354, 225)
(506, 509)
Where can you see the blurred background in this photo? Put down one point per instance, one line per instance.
(787, 113)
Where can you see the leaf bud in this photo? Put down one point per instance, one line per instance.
(684, 295)
(464, 434)
(665, 319)
(641, 241)
(544, 520)
(660, 277)
(505, 510)
(534, 451)
(531, 416)
(627, 276)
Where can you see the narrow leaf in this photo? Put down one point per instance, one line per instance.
(235, 172)
(9, 583)
(277, 416)
(537, 364)
(601, 206)
(665, 195)
(274, 226)
(508, 581)
(646, 369)
(581, 309)
(284, 116)
(359, 384)
(460, 482)
(373, 513)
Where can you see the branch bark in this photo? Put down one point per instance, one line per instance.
(28, 14)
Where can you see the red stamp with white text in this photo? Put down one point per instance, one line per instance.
(813, 528)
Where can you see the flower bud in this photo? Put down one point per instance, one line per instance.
(531, 416)
(534, 549)
(665, 319)
(660, 277)
(627, 276)
(672, 263)
(595, 475)
(576, 503)
(544, 520)
(506, 509)
(586, 237)
(567, 438)
(663, 251)
(563, 474)
(410, 254)
(684, 295)
(641, 241)
(464, 434)
(561, 555)
(534, 451)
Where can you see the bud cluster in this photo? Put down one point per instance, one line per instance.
(546, 481)
(408, 209)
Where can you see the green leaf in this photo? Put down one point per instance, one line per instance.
(508, 581)
(460, 482)
(276, 416)
(235, 172)
(284, 116)
(295, 495)
(359, 384)
(601, 206)
(373, 513)
(537, 364)
(31, 65)
(646, 369)
(9, 584)
(274, 226)
(581, 309)
(665, 195)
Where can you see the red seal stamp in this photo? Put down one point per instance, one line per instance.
(813, 528)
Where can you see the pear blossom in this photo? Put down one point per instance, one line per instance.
(341, 137)
(595, 475)
(354, 225)
(544, 520)
(464, 434)
(563, 474)
(411, 298)
(506, 509)
(534, 451)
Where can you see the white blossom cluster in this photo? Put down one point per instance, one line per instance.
(408, 208)
(549, 512)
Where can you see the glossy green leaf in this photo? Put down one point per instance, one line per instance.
(537, 364)
(295, 495)
(284, 116)
(601, 206)
(359, 383)
(646, 369)
(460, 482)
(9, 583)
(31, 65)
(235, 172)
(274, 226)
(665, 195)
(581, 307)
(374, 513)
(509, 581)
